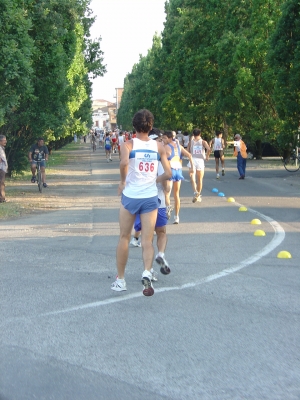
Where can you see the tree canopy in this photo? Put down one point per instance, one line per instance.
(47, 63)
(230, 65)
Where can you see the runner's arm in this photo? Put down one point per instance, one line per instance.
(165, 163)
(205, 144)
(124, 162)
(188, 155)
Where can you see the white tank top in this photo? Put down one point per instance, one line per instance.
(121, 139)
(186, 140)
(218, 144)
(197, 150)
(142, 170)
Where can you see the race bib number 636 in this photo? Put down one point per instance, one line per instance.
(146, 162)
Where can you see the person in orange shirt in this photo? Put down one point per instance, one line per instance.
(240, 151)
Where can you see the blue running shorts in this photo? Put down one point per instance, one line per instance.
(176, 175)
(140, 206)
(161, 220)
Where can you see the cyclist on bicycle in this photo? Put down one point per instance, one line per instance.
(38, 152)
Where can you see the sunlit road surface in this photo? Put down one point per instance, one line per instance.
(223, 325)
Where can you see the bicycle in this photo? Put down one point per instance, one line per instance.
(292, 163)
(39, 175)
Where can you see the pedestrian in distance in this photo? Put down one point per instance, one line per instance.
(180, 137)
(240, 152)
(186, 139)
(139, 195)
(197, 147)
(218, 146)
(108, 147)
(38, 152)
(3, 168)
(121, 139)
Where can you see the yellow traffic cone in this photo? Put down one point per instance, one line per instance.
(284, 254)
(256, 222)
(259, 232)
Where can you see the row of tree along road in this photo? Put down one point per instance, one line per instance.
(230, 65)
(47, 60)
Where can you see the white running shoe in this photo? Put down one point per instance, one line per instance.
(154, 275)
(195, 198)
(169, 210)
(163, 263)
(218, 176)
(223, 172)
(135, 242)
(199, 198)
(146, 281)
(119, 285)
(176, 219)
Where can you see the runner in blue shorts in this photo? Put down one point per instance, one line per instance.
(107, 146)
(174, 153)
(138, 171)
(160, 226)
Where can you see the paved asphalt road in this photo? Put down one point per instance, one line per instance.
(223, 325)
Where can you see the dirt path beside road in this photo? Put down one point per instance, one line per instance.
(69, 186)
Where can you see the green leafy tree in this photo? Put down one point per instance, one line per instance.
(284, 57)
(16, 49)
(56, 100)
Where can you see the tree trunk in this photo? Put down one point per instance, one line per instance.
(258, 149)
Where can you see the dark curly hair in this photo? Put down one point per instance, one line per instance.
(143, 121)
(197, 132)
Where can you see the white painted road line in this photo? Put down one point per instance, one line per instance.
(275, 242)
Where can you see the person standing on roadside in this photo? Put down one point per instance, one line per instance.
(38, 151)
(218, 146)
(240, 152)
(3, 168)
(138, 172)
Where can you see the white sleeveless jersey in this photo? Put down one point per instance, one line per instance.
(121, 139)
(142, 170)
(186, 140)
(218, 144)
(197, 150)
